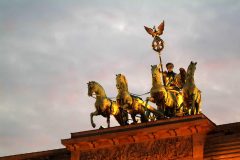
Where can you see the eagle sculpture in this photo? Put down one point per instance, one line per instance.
(155, 32)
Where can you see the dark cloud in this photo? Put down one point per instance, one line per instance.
(50, 50)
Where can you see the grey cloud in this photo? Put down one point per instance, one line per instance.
(50, 50)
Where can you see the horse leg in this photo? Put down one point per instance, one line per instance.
(185, 108)
(91, 118)
(143, 118)
(198, 103)
(108, 121)
(124, 117)
(133, 115)
(193, 105)
(180, 110)
(166, 112)
(197, 108)
(169, 112)
(147, 114)
(119, 119)
(174, 110)
(146, 106)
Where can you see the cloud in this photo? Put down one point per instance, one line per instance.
(50, 50)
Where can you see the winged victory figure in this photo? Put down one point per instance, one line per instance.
(155, 32)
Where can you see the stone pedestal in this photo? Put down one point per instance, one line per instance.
(175, 138)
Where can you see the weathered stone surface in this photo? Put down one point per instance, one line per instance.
(170, 148)
(175, 138)
(223, 143)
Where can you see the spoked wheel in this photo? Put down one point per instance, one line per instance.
(152, 117)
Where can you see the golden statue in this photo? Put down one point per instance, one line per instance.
(191, 94)
(180, 78)
(104, 106)
(170, 102)
(174, 94)
(132, 104)
(174, 81)
(155, 32)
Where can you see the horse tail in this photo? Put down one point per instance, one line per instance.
(199, 101)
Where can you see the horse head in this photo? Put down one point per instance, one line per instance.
(94, 87)
(156, 73)
(191, 68)
(121, 82)
(91, 88)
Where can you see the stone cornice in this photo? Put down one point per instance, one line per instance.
(167, 128)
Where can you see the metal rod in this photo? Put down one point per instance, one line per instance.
(161, 68)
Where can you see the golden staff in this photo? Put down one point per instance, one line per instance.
(157, 43)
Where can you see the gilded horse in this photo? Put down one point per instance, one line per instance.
(191, 94)
(104, 106)
(170, 102)
(132, 104)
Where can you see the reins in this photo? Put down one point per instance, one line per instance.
(137, 95)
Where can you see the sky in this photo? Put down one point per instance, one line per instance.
(49, 50)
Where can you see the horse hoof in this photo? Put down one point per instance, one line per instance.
(101, 127)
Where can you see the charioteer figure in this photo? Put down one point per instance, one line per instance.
(169, 77)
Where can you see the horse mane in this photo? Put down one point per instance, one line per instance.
(158, 78)
(190, 72)
(96, 83)
(183, 74)
(125, 85)
(125, 81)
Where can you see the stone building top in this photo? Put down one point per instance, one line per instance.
(184, 135)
